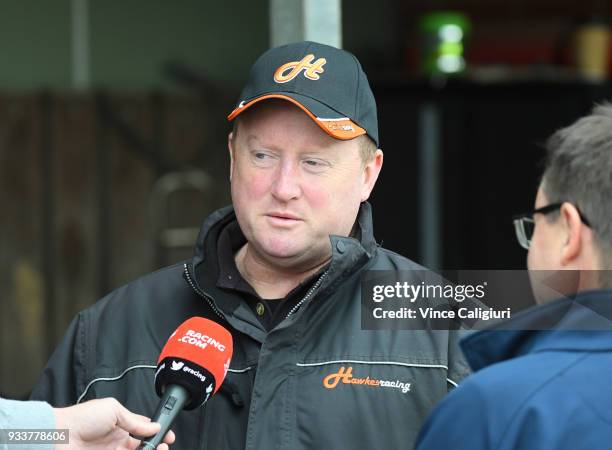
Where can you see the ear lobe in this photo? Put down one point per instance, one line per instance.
(572, 227)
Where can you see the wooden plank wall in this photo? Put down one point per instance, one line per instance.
(75, 205)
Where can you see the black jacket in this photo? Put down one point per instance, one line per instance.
(285, 388)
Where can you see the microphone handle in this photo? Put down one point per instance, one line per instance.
(174, 399)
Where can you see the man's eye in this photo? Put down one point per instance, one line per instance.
(263, 159)
(316, 165)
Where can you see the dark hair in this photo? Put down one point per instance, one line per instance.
(578, 169)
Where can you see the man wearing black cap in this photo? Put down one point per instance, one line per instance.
(281, 270)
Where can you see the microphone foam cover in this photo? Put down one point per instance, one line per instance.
(196, 357)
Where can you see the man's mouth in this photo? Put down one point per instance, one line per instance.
(284, 216)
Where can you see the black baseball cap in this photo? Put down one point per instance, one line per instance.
(327, 83)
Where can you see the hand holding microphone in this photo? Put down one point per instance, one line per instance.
(190, 369)
(104, 424)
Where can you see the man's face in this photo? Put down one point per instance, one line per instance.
(293, 185)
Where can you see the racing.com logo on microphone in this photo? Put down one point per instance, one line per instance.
(201, 340)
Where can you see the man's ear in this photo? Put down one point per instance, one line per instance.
(230, 146)
(371, 171)
(572, 225)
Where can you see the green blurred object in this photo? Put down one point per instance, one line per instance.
(443, 36)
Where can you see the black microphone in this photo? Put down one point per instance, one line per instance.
(190, 369)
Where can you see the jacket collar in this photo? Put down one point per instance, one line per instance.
(209, 233)
(583, 323)
(347, 252)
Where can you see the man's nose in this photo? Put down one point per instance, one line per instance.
(286, 184)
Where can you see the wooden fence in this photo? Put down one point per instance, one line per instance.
(82, 208)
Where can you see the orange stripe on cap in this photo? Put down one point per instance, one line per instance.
(344, 129)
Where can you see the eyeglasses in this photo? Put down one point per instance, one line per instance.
(524, 225)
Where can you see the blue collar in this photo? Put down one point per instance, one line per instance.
(583, 323)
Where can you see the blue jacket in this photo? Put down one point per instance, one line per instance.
(534, 389)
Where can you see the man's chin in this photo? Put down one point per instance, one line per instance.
(283, 253)
(291, 250)
(292, 255)
(283, 245)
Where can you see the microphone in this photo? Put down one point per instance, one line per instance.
(190, 369)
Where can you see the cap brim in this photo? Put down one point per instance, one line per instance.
(328, 119)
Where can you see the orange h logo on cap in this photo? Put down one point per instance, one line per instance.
(311, 70)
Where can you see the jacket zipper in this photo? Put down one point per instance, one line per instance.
(308, 294)
(208, 299)
(214, 308)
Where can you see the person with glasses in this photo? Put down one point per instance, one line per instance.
(548, 388)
